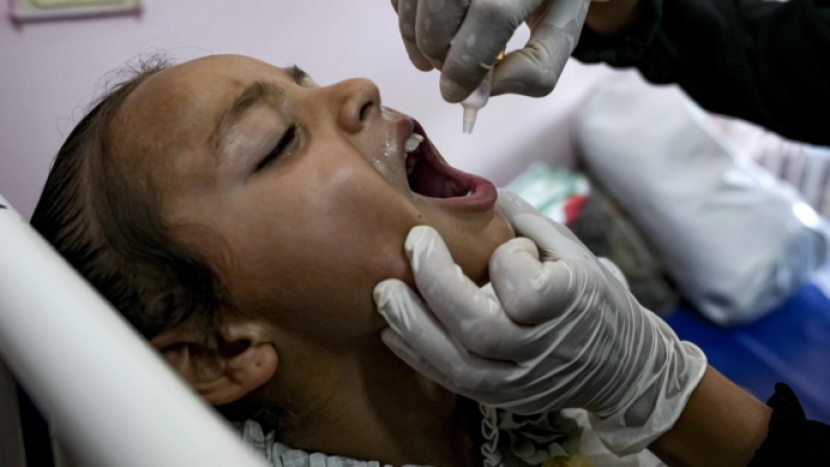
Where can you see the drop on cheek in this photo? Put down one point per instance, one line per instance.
(390, 142)
(390, 148)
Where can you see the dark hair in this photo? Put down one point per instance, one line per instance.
(106, 224)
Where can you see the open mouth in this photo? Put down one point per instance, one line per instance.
(430, 176)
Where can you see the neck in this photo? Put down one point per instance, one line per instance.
(369, 405)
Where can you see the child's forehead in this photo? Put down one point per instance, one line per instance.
(185, 101)
(216, 73)
(202, 87)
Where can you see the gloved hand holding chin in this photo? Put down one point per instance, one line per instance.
(555, 329)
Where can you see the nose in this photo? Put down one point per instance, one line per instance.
(359, 101)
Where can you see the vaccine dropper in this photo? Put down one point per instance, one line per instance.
(561, 23)
(478, 99)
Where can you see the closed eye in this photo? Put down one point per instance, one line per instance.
(279, 149)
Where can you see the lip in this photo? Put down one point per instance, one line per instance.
(484, 193)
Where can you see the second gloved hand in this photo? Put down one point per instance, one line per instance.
(556, 330)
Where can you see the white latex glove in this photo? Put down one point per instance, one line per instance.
(464, 37)
(556, 330)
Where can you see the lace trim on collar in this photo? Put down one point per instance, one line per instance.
(510, 440)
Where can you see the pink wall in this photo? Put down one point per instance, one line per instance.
(50, 71)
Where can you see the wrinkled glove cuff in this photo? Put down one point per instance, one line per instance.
(678, 379)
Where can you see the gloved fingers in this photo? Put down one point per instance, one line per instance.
(555, 241)
(405, 312)
(420, 339)
(436, 25)
(535, 70)
(512, 205)
(407, 15)
(474, 318)
(483, 34)
(397, 344)
(531, 292)
(469, 376)
(521, 73)
(405, 352)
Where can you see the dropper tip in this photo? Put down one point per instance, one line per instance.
(468, 126)
(470, 114)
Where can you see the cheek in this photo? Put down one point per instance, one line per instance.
(313, 244)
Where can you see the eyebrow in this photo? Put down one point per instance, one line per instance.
(255, 94)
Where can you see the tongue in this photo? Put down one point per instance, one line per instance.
(427, 181)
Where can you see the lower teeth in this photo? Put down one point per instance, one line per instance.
(469, 193)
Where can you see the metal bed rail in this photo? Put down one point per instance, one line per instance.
(110, 398)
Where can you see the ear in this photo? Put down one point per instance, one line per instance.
(241, 359)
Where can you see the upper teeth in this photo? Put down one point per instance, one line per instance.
(413, 142)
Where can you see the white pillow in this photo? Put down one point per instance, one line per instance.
(737, 241)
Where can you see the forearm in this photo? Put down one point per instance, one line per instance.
(611, 18)
(722, 425)
(756, 60)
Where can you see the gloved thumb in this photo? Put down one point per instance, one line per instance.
(532, 71)
(555, 241)
(535, 69)
(511, 205)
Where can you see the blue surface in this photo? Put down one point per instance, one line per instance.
(790, 345)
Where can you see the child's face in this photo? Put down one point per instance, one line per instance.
(301, 237)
